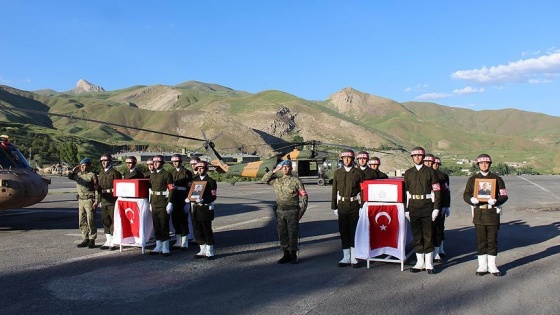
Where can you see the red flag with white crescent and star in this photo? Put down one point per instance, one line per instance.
(130, 218)
(383, 226)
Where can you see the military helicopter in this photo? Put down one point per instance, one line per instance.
(306, 163)
(20, 185)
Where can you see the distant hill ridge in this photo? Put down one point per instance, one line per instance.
(348, 117)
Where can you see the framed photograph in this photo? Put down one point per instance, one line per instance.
(197, 190)
(484, 189)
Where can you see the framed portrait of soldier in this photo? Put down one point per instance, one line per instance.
(484, 189)
(197, 190)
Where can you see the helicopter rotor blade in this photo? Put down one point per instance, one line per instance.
(98, 121)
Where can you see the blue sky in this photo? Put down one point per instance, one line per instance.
(471, 54)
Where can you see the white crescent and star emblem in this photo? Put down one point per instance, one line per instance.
(383, 214)
(129, 215)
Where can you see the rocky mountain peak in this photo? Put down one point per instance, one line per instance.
(355, 103)
(84, 86)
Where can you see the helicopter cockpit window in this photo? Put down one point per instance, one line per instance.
(11, 157)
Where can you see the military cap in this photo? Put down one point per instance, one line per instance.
(437, 160)
(374, 161)
(429, 157)
(348, 152)
(284, 163)
(105, 157)
(158, 158)
(417, 151)
(362, 155)
(176, 158)
(85, 161)
(484, 158)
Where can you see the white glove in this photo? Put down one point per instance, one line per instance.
(335, 212)
(199, 200)
(499, 210)
(492, 201)
(435, 214)
(150, 208)
(169, 208)
(407, 215)
(187, 207)
(474, 201)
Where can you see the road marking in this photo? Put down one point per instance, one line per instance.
(541, 187)
(242, 223)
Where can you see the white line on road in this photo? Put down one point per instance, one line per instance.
(541, 187)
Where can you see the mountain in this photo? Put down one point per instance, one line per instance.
(262, 121)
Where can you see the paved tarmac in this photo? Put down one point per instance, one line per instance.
(42, 270)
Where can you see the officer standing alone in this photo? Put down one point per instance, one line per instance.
(346, 202)
(88, 200)
(106, 177)
(486, 216)
(288, 190)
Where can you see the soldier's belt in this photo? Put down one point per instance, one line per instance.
(180, 188)
(420, 197)
(159, 193)
(86, 197)
(106, 191)
(485, 206)
(349, 199)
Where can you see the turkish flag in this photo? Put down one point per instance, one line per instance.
(383, 226)
(130, 218)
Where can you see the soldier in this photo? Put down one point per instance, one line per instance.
(106, 178)
(288, 211)
(182, 180)
(439, 223)
(374, 164)
(150, 165)
(194, 160)
(131, 171)
(486, 216)
(203, 212)
(161, 184)
(346, 201)
(88, 199)
(363, 158)
(422, 208)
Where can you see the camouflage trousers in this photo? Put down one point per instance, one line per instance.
(87, 219)
(288, 228)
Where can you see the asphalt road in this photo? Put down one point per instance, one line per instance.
(42, 270)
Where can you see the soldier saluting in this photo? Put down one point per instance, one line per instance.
(288, 190)
(88, 199)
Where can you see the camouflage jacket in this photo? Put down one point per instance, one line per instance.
(288, 189)
(87, 184)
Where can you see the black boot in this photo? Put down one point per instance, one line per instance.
(91, 244)
(285, 259)
(293, 257)
(84, 243)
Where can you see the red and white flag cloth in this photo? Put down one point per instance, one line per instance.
(132, 221)
(381, 230)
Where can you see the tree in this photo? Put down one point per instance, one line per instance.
(68, 152)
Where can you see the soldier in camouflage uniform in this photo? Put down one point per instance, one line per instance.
(422, 208)
(486, 216)
(346, 202)
(106, 177)
(374, 164)
(161, 184)
(288, 190)
(88, 199)
(131, 171)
